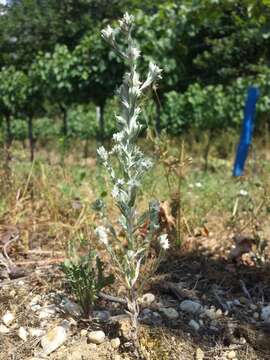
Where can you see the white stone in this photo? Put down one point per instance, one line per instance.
(71, 307)
(265, 313)
(53, 339)
(96, 337)
(84, 332)
(36, 332)
(194, 325)
(147, 299)
(36, 307)
(210, 313)
(190, 306)
(22, 333)
(8, 318)
(35, 301)
(256, 316)
(3, 329)
(231, 355)
(199, 354)
(170, 313)
(115, 343)
(47, 311)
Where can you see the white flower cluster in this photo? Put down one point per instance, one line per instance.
(103, 154)
(102, 235)
(127, 22)
(164, 242)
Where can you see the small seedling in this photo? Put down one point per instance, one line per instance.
(85, 276)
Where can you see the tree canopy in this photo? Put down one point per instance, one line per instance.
(52, 55)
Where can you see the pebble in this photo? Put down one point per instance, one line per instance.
(12, 293)
(3, 329)
(147, 299)
(35, 301)
(115, 343)
(243, 300)
(156, 318)
(36, 332)
(242, 341)
(210, 313)
(194, 325)
(170, 313)
(102, 315)
(84, 332)
(146, 316)
(36, 307)
(236, 302)
(47, 311)
(265, 313)
(199, 354)
(22, 333)
(256, 316)
(71, 307)
(253, 307)
(8, 318)
(213, 328)
(96, 337)
(219, 313)
(53, 339)
(231, 355)
(150, 317)
(190, 306)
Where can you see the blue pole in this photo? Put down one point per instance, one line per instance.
(247, 131)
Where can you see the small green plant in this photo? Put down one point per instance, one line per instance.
(85, 275)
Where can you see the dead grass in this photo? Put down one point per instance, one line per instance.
(49, 206)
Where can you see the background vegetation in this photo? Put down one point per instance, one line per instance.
(58, 78)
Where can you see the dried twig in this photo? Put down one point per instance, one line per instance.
(245, 290)
(40, 262)
(5, 248)
(112, 298)
(222, 304)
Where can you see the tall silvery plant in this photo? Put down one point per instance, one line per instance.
(126, 177)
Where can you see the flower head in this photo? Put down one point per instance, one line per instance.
(134, 52)
(164, 242)
(126, 22)
(102, 152)
(153, 75)
(102, 235)
(243, 192)
(154, 71)
(108, 33)
(115, 192)
(118, 137)
(130, 254)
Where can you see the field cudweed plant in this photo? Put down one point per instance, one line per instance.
(127, 175)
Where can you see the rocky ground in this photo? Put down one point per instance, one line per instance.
(201, 304)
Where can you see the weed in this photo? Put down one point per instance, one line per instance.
(85, 276)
